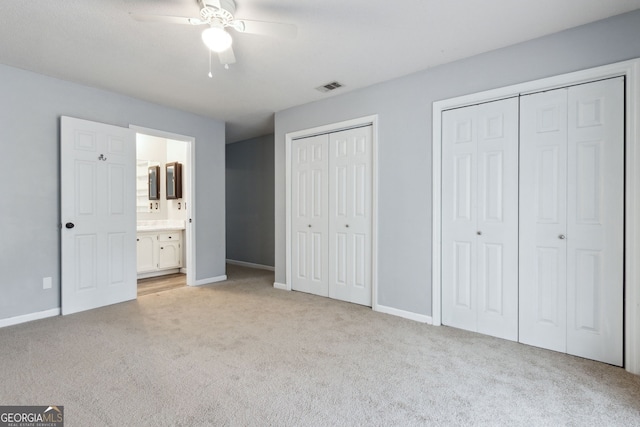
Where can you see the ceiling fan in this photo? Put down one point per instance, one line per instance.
(218, 15)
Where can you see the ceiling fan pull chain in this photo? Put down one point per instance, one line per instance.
(210, 75)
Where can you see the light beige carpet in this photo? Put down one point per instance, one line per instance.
(242, 353)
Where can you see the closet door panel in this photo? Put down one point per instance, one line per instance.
(543, 195)
(497, 218)
(463, 278)
(595, 221)
(310, 215)
(459, 218)
(350, 222)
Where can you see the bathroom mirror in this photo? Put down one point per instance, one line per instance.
(154, 182)
(174, 180)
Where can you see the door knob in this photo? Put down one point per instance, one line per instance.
(479, 233)
(309, 225)
(347, 225)
(562, 237)
(69, 225)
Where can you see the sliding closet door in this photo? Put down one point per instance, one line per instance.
(350, 190)
(571, 220)
(479, 218)
(595, 234)
(309, 216)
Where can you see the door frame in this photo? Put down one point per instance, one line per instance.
(631, 71)
(189, 183)
(325, 129)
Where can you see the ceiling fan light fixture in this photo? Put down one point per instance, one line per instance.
(216, 39)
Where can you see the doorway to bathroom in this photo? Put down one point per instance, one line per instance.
(164, 210)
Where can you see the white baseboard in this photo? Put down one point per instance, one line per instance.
(281, 286)
(251, 265)
(406, 314)
(210, 280)
(183, 270)
(29, 317)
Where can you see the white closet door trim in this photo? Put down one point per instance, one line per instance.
(631, 70)
(334, 127)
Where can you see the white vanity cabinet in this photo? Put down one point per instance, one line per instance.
(145, 250)
(169, 250)
(158, 251)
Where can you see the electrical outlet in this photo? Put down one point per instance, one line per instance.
(46, 283)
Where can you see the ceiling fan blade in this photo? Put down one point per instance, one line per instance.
(227, 56)
(213, 3)
(166, 19)
(276, 29)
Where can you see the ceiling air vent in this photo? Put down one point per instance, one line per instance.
(329, 87)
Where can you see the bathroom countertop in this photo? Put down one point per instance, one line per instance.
(160, 225)
(144, 228)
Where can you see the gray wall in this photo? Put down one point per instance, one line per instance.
(250, 201)
(404, 149)
(30, 110)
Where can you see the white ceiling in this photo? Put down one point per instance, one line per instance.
(356, 42)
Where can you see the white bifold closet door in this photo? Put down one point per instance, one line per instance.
(571, 220)
(309, 216)
(480, 218)
(331, 248)
(350, 189)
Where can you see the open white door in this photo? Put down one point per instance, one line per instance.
(97, 184)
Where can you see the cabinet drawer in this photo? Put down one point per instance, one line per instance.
(173, 236)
